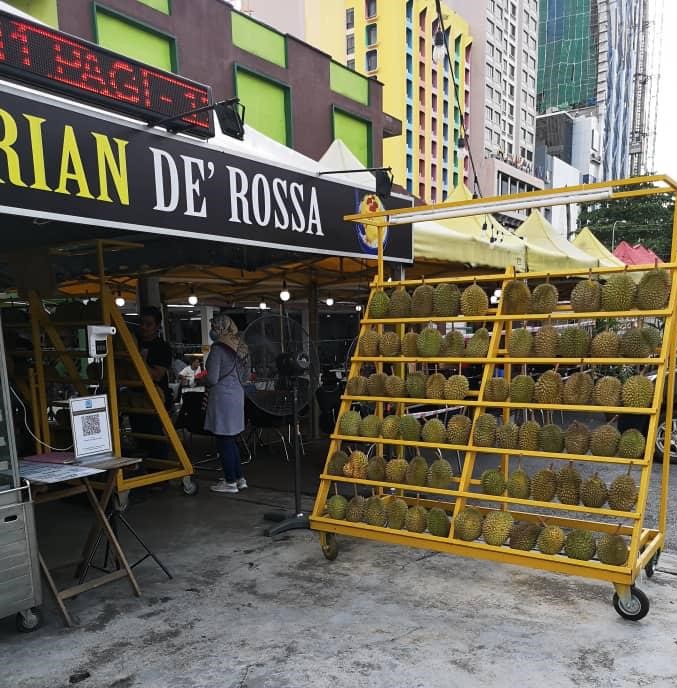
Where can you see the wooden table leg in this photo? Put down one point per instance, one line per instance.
(57, 595)
(101, 516)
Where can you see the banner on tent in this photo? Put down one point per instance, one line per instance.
(60, 163)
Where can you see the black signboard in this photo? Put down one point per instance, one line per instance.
(36, 54)
(60, 163)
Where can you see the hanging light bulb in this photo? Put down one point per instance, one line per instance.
(494, 300)
(263, 305)
(358, 308)
(329, 301)
(119, 299)
(192, 299)
(439, 49)
(284, 294)
(497, 293)
(484, 227)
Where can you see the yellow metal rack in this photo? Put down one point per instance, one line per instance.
(644, 543)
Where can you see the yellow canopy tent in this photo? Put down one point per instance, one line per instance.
(547, 250)
(588, 242)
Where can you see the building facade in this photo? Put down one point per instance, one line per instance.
(292, 92)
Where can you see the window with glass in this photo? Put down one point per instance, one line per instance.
(350, 64)
(371, 60)
(371, 34)
(350, 44)
(370, 8)
(350, 18)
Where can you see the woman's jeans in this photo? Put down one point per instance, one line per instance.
(230, 457)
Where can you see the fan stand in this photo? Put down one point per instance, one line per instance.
(296, 520)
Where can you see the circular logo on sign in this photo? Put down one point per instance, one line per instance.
(367, 235)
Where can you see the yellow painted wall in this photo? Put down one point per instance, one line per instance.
(324, 27)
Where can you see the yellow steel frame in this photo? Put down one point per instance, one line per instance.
(644, 542)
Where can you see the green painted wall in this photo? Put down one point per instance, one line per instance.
(348, 83)
(159, 5)
(134, 41)
(43, 10)
(258, 39)
(355, 133)
(266, 103)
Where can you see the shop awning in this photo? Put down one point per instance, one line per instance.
(635, 255)
(588, 242)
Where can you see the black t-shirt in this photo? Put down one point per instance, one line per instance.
(158, 353)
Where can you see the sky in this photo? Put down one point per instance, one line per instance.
(666, 138)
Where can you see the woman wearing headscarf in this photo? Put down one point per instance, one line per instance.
(225, 366)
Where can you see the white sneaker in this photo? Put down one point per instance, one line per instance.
(223, 486)
(242, 484)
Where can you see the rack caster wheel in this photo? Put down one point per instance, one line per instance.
(29, 620)
(635, 608)
(650, 568)
(329, 546)
(190, 487)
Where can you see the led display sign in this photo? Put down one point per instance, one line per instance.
(36, 54)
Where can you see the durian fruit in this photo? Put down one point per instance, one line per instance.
(379, 305)
(356, 466)
(468, 524)
(528, 435)
(520, 343)
(569, 485)
(478, 344)
(516, 298)
(416, 519)
(368, 343)
(355, 509)
(497, 389)
(376, 384)
(389, 344)
(546, 342)
(653, 336)
(580, 544)
(623, 493)
(551, 439)
(632, 444)
(604, 440)
(507, 436)
(390, 428)
(548, 389)
(544, 298)
(612, 549)
(653, 290)
(497, 527)
(492, 482)
(594, 492)
(396, 470)
(394, 386)
(453, 344)
(428, 342)
(336, 507)
(634, 344)
(357, 386)
(522, 389)
(415, 385)
(434, 386)
(410, 428)
(438, 522)
(396, 512)
(605, 344)
(618, 294)
(578, 388)
(519, 484)
(456, 387)
(551, 540)
(577, 438)
(637, 392)
(336, 462)
(446, 300)
(607, 391)
(375, 512)
(400, 304)
(586, 296)
(439, 474)
(474, 301)
(524, 535)
(574, 342)
(349, 423)
(422, 301)
(376, 468)
(410, 344)
(458, 429)
(484, 433)
(434, 431)
(544, 485)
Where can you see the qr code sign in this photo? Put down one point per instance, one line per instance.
(91, 425)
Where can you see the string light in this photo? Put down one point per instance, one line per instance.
(329, 301)
(192, 299)
(119, 299)
(284, 294)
